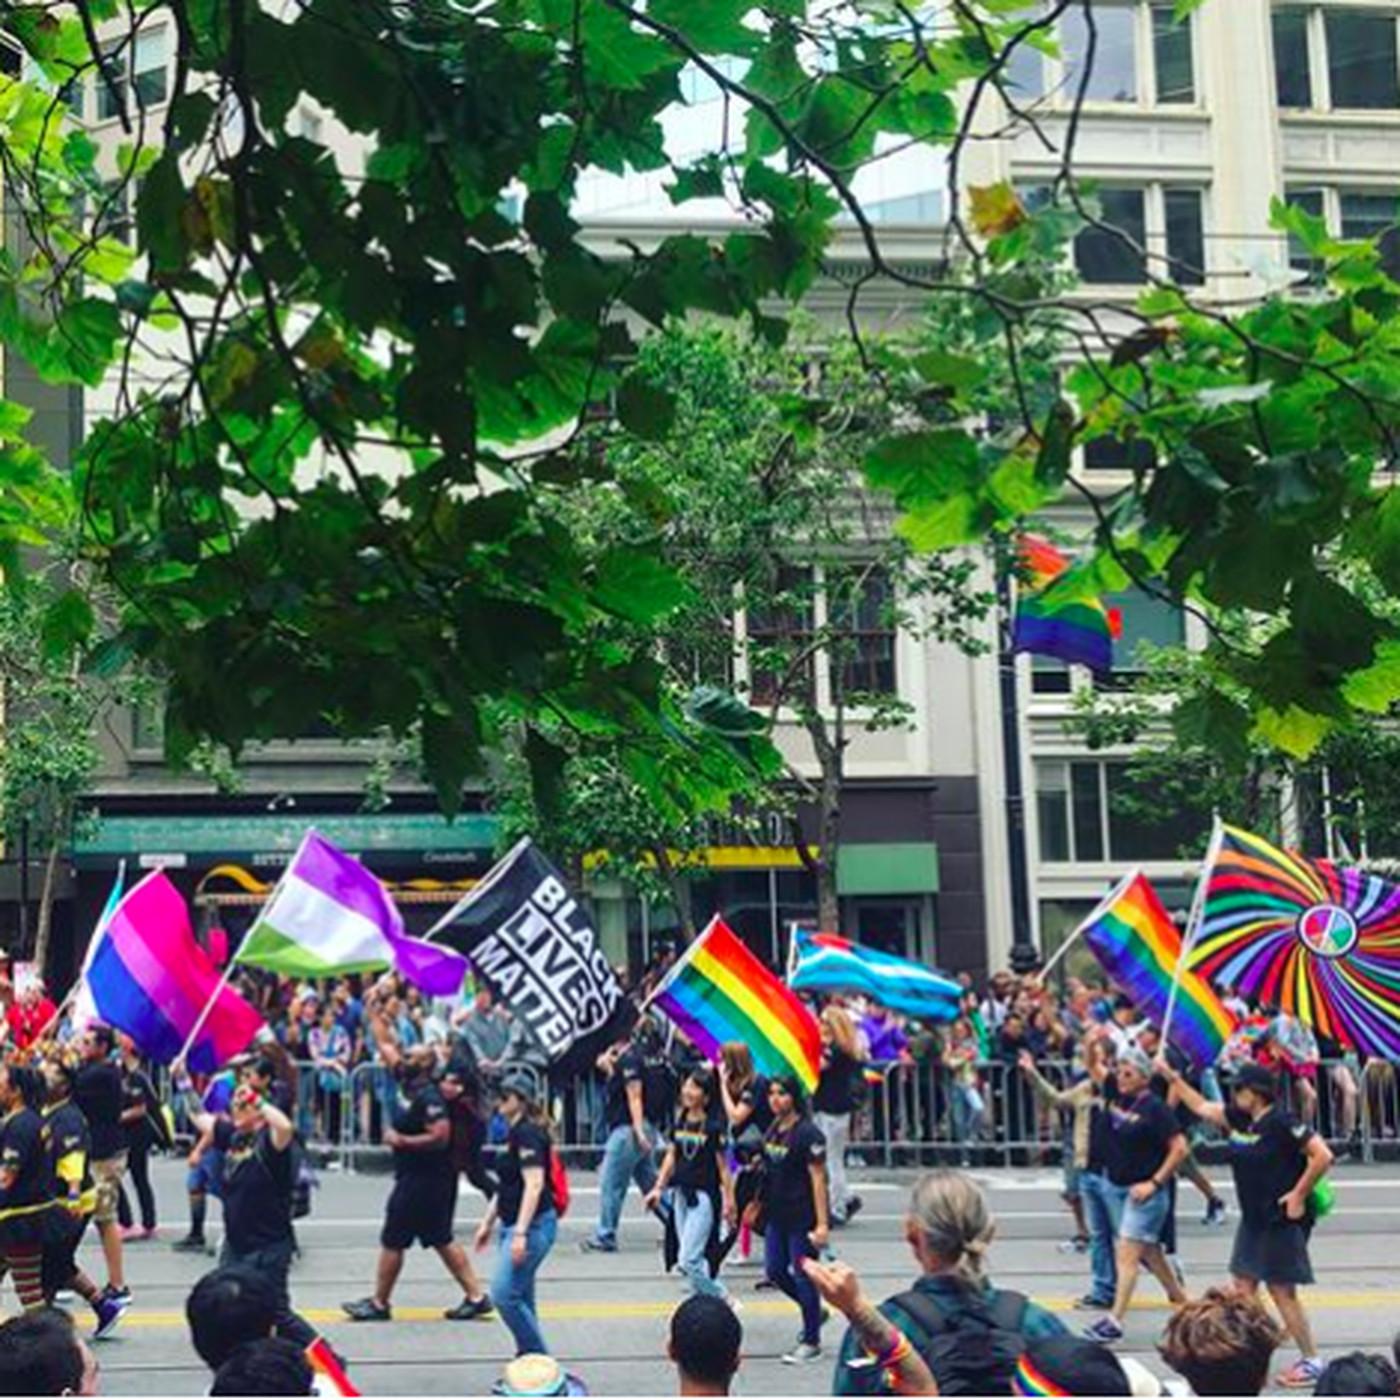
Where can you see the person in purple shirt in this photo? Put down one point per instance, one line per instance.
(884, 1035)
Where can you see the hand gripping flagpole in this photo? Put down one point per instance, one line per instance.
(1193, 921)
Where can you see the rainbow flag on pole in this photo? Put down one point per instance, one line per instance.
(1058, 613)
(1134, 939)
(719, 991)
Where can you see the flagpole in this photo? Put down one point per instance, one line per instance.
(1188, 937)
(59, 1010)
(204, 1015)
(1057, 956)
(685, 959)
(98, 934)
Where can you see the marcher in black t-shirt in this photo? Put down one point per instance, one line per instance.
(697, 1173)
(833, 1104)
(524, 1207)
(1276, 1161)
(98, 1092)
(259, 1174)
(68, 1144)
(794, 1201)
(744, 1095)
(423, 1203)
(1143, 1147)
(143, 1128)
(26, 1181)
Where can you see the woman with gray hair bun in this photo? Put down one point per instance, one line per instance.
(969, 1332)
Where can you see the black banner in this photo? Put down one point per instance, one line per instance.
(531, 942)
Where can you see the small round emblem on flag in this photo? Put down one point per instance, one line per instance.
(1328, 931)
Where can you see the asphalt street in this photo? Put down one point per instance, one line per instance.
(605, 1316)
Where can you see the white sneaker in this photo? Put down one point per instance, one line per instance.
(803, 1354)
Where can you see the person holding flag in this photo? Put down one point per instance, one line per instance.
(423, 1203)
(1276, 1161)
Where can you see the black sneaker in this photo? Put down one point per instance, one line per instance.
(191, 1244)
(466, 1310)
(591, 1244)
(1216, 1211)
(367, 1310)
(853, 1208)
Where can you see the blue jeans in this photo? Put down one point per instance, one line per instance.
(1101, 1215)
(783, 1253)
(623, 1161)
(513, 1288)
(693, 1226)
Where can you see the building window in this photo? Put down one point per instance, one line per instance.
(860, 603)
(1111, 454)
(778, 636)
(1142, 55)
(113, 218)
(1174, 57)
(1292, 70)
(1351, 214)
(1166, 222)
(148, 79)
(1361, 59)
(1148, 621)
(1334, 58)
(1092, 810)
(1049, 676)
(926, 207)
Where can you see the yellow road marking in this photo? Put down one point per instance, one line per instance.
(1319, 1300)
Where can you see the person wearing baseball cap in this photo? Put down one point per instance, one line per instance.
(1277, 1161)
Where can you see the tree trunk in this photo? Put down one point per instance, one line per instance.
(45, 923)
(678, 887)
(830, 753)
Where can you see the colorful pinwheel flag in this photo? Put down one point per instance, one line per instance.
(1059, 613)
(1317, 940)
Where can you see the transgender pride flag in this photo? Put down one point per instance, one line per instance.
(329, 916)
(149, 978)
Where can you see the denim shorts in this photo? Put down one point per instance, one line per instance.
(1143, 1221)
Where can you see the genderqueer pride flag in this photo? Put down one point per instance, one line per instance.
(330, 916)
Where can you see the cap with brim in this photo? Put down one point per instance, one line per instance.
(521, 1085)
(1256, 1078)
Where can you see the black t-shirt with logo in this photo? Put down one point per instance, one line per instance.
(788, 1156)
(697, 1145)
(99, 1093)
(24, 1152)
(67, 1133)
(527, 1145)
(257, 1188)
(1268, 1155)
(414, 1115)
(629, 1069)
(756, 1096)
(1138, 1131)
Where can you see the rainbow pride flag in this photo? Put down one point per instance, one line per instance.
(1058, 614)
(1139, 947)
(719, 991)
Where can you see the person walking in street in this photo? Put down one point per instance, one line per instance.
(98, 1093)
(1277, 1161)
(834, 1102)
(794, 1195)
(630, 1151)
(744, 1095)
(696, 1170)
(26, 1183)
(143, 1128)
(1144, 1146)
(525, 1210)
(422, 1206)
(255, 1143)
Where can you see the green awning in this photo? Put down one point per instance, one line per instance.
(893, 867)
(271, 839)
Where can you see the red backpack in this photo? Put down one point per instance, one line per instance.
(558, 1183)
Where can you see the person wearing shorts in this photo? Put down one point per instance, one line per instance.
(99, 1094)
(423, 1202)
(1145, 1146)
(1276, 1160)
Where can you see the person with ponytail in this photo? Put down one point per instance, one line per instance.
(969, 1333)
(26, 1192)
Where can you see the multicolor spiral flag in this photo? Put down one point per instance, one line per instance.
(1317, 940)
(1059, 613)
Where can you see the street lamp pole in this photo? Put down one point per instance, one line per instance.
(1025, 956)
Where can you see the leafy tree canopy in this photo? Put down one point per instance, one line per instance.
(330, 489)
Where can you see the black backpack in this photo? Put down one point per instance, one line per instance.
(971, 1346)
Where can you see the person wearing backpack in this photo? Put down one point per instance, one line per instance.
(969, 1333)
(527, 1211)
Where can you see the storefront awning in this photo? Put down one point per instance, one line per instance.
(270, 840)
